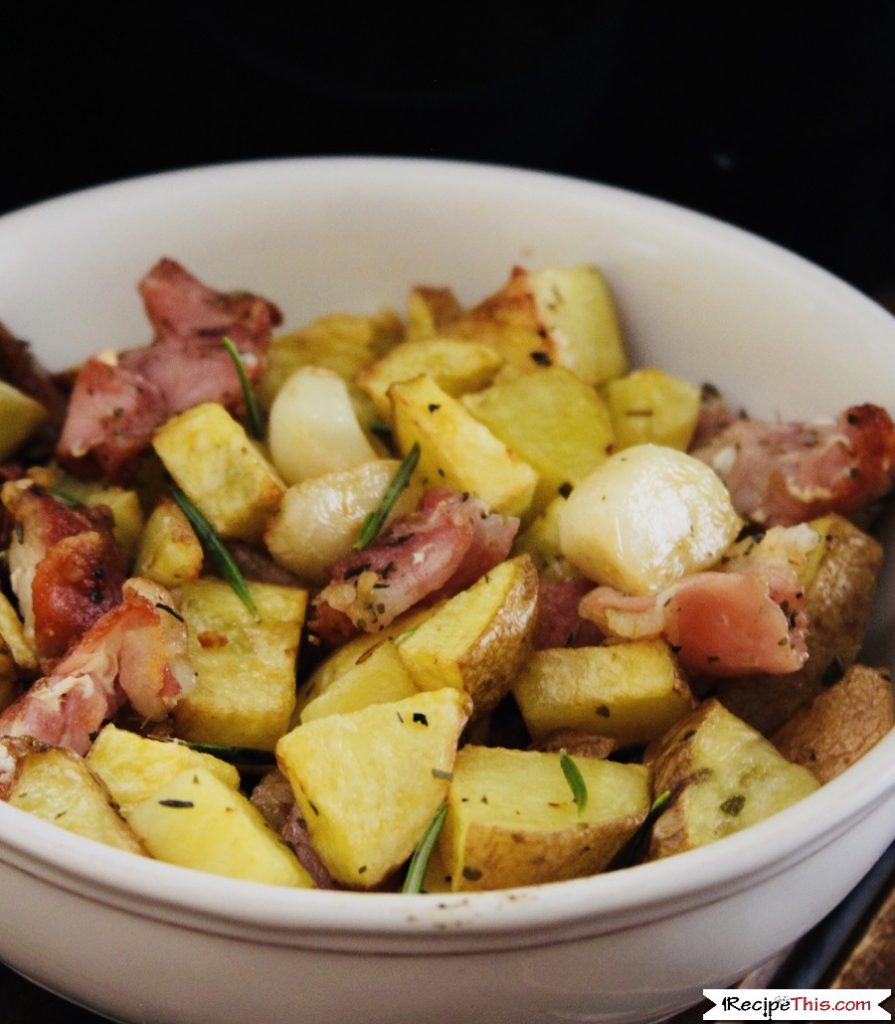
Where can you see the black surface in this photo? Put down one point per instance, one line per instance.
(778, 118)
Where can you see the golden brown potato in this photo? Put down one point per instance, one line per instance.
(630, 691)
(513, 818)
(552, 317)
(841, 724)
(428, 310)
(479, 640)
(169, 551)
(58, 786)
(368, 783)
(839, 595)
(723, 776)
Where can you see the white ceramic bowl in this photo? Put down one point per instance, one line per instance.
(145, 941)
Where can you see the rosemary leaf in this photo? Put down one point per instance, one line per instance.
(215, 547)
(64, 498)
(575, 780)
(420, 859)
(252, 410)
(374, 521)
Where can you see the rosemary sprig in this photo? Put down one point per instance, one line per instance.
(65, 498)
(252, 410)
(575, 780)
(416, 872)
(215, 547)
(374, 520)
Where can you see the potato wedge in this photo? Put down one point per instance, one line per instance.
(245, 694)
(58, 786)
(723, 775)
(199, 822)
(632, 692)
(554, 421)
(220, 470)
(456, 366)
(841, 724)
(380, 678)
(456, 450)
(649, 406)
(556, 316)
(169, 551)
(369, 783)
(133, 768)
(513, 819)
(344, 658)
(478, 640)
(20, 416)
(428, 310)
(646, 517)
(839, 588)
(318, 520)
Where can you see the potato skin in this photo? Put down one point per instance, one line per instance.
(723, 776)
(838, 602)
(841, 724)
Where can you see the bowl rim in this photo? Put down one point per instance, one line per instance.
(555, 911)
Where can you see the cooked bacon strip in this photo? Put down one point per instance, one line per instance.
(136, 652)
(117, 402)
(559, 624)
(747, 616)
(786, 473)
(65, 567)
(440, 549)
(714, 416)
(112, 414)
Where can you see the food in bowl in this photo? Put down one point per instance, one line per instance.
(555, 615)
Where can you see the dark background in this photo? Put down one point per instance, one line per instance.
(779, 118)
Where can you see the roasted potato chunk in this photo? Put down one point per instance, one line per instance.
(555, 316)
(368, 783)
(513, 819)
(455, 366)
(220, 470)
(650, 406)
(380, 678)
(245, 694)
(456, 450)
(841, 724)
(553, 420)
(632, 692)
(479, 640)
(169, 551)
(58, 786)
(20, 416)
(133, 768)
(723, 776)
(197, 821)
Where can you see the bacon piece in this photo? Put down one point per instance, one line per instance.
(559, 624)
(786, 473)
(135, 652)
(65, 567)
(714, 416)
(112, 414)
(440, 549)
(117, 402)
(747, 616)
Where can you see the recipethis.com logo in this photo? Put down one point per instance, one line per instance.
(797, 1004)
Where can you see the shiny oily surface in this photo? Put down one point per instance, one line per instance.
(318, 236)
